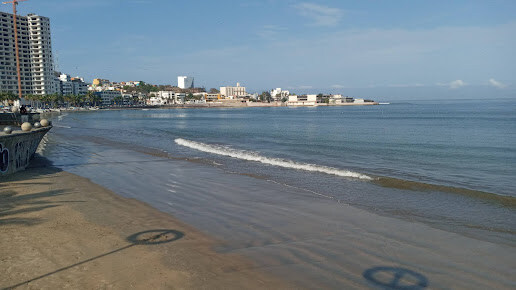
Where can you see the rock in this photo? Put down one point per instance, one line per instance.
(26, 127)
(37, 125)
(44, 123)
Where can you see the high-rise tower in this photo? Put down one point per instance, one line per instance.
(36, 61)
(184, 82)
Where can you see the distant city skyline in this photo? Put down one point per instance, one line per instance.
(388, 50)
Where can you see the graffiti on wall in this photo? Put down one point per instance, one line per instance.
(4, 158)
(23, 151)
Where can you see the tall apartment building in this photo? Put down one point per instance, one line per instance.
(184, 82)
(36, 61)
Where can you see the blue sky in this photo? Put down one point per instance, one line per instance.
(384, 49)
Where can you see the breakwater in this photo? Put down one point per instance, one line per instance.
(18, 148)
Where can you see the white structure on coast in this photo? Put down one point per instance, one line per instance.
(305, 100)
(233, 92)
(184, 82)
(279, 94)
(163, 98)
(328, 100)
(36, 61)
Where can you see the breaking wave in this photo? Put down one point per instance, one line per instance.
(252, 156)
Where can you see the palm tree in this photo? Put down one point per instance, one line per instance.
(78, 100)
(11, 97)
(118, 100)
(31, 98)
(3, 97)
(97, 99)
(55, 100)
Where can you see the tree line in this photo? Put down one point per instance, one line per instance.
(54, 100)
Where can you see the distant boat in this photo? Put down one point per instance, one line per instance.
(384, 103)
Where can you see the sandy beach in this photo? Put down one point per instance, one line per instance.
(59, 230)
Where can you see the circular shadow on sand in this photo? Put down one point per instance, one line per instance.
(155, 237)
(395, 278)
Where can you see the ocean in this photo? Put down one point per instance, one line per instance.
(446, 163)
(265, 180)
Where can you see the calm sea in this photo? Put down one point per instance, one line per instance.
(450, 164)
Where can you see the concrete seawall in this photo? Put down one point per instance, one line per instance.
(17, 118)
(18, 148)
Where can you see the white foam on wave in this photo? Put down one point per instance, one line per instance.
(253, 156)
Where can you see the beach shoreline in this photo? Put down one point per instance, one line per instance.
(61, 230)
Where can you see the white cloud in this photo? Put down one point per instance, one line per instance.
(452, 85)
(319, 14)
(496, 84)
(456, 84)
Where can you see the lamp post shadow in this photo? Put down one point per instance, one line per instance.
(145, 238)
(394, 278)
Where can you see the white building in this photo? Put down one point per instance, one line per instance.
(72, 86)
(233, 92)
(36, 61)
(279, 94)
(184, 82)
(161, 98)
(339, 99)
(130, 84)
(155, 101)
(306, 100)
(127, 99)
(168, 98)
(179, 98)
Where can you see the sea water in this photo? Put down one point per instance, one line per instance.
(449, 164)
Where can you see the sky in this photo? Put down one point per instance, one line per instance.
(383, 49)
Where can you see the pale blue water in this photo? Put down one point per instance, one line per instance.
(468, 144)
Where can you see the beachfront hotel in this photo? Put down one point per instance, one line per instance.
(36, 61)
(236, 92)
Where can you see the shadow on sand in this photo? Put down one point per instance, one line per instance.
(13, 203)
(146, 238)
(395, 278)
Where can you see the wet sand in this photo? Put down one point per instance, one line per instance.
(59, 230)
(295, 234)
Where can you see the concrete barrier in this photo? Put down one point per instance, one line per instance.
(17, 118)
(18, 148)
